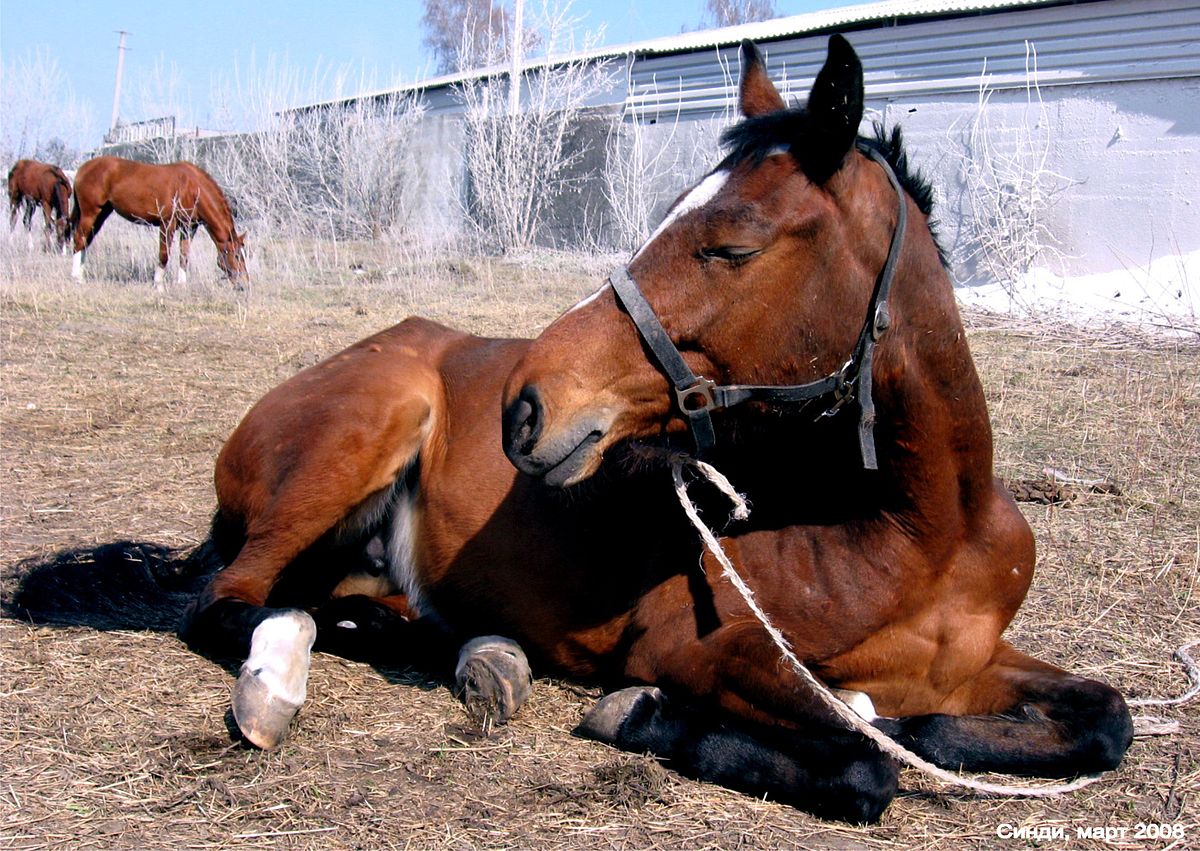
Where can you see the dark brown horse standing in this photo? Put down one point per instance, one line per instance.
(880, 542)
(36, 184)
(175, 197)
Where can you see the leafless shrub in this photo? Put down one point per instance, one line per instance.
(464, 33)
(649, 158)
(340, 169)
(1009, 188)
(518, 161)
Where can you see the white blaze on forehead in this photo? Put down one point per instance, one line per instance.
(704, 192)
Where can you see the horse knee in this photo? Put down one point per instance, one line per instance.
(864, 790)
(1104, 729)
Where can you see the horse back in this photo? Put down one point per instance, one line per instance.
(140, 191)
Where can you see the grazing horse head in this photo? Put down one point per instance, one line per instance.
(765, 274)
(230, 258)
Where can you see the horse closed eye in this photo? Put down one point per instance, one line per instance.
(729, 253)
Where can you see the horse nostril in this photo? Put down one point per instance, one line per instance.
(523, 422)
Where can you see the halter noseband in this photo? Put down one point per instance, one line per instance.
(696, 397)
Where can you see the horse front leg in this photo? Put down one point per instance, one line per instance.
(166, 232)
(185, 246)
(86, 227)
(726, 709)
(1041, 721)
(490, 673)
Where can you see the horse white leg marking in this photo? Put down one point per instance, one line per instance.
(274, 679)
(402, 550)
(77, 266)
(859, 701)
(182, 277)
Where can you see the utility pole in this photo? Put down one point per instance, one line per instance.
(514, 76)
(117, 90)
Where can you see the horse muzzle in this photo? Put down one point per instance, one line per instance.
(560, 455)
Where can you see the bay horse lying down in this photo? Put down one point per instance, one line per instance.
(177, 197)
(33, 184)
(425, 486)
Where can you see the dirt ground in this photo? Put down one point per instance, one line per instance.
(115, 401)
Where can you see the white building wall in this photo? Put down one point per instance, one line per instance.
(1119, 83)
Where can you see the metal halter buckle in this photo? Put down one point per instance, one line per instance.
(844, 391)
(696, 397)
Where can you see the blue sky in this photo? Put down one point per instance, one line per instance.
(180, 51)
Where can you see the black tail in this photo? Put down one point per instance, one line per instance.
(122, 585)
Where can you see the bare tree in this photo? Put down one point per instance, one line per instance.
(41, 117)
(465, 34)
(728, 13)
(519, 162)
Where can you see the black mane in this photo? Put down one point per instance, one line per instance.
(753, 139)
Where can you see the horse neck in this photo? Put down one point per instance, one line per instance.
(932, 432)
(213, 211)
(932, 418)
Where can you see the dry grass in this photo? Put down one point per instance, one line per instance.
(114, 403)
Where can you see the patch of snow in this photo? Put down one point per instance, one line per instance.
(1163, 295)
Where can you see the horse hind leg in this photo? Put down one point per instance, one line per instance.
(1049, 724)
(375, 611)
(273, 681)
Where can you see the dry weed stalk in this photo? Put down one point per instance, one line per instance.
(1009, 188)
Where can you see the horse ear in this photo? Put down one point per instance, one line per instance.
(835, 109)
(757, 95)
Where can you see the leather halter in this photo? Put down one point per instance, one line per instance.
(696, 397)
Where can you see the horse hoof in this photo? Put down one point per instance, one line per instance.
(493, 679)
(613, 712)
(274, 679)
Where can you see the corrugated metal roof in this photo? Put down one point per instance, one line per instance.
(1109, 41)
(791, 26)
(812, 22)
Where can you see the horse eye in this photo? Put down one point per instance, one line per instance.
(729, 253)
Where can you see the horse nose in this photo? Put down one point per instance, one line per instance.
(523, 418)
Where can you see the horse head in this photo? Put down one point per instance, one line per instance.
(230, 256)
(762, 274)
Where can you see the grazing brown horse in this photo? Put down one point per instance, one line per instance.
(380, 503)
(36, 184)
(175, 197)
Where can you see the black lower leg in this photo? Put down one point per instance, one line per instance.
(222, 627)
(1085, 729)
(830, 773)
(360, 627)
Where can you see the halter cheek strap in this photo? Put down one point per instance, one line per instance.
(696, 397)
